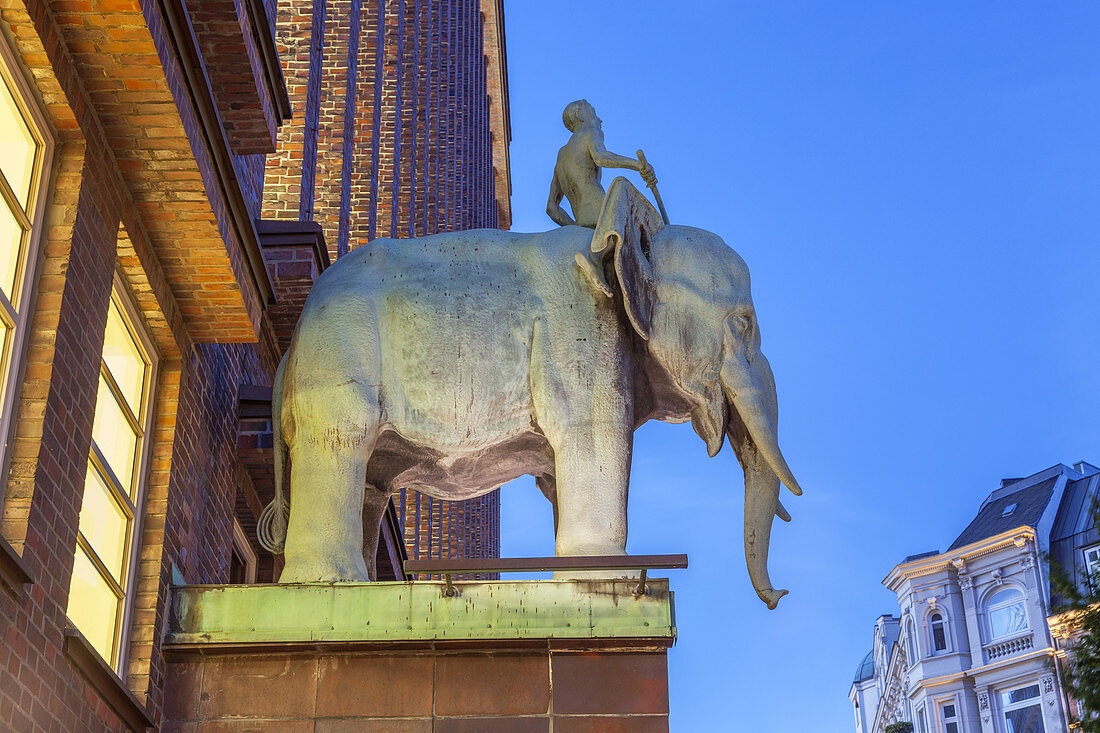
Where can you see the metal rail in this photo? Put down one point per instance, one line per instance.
(450, 566)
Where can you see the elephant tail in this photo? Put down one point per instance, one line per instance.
(271, 526)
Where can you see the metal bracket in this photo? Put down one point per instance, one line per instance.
(449, 591)
(641, 590)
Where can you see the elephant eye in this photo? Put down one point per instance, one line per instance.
(740, 325)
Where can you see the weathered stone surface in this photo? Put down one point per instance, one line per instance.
(609, 682)
(455, 363)
(516, 684)
(406, 612)
(485, 670)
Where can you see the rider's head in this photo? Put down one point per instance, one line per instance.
(578, 112)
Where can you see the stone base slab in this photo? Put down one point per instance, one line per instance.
(567, 656)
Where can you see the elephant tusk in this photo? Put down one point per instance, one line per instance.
(751, 411)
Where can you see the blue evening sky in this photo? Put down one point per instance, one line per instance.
(914, 188)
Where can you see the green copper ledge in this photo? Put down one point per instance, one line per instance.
(419, 611)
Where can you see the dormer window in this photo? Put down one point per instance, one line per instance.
(1008, 510)
(1092, 560)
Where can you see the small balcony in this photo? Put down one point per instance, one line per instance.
(1009, 647)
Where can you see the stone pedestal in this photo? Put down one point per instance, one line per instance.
(498, 656)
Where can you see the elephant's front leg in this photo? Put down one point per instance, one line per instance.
(592, 463)
(588, 421)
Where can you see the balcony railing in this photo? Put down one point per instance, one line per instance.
(452, 566)
(1008, 647)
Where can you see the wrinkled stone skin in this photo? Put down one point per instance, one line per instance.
(454, 363)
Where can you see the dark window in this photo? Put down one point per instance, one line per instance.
(939, 638)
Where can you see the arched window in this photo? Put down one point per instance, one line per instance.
(939, 633)
(1007, 613)
(914, 654)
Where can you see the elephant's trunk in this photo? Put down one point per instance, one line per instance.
(752, 430)
(761, 506)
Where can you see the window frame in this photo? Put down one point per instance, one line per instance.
(1090, 567)
(913, 642)
(1036, 701)
(29, 261)
(987, 610)
(133, 508)
(243, 549)
(931, 625)
(955, 719)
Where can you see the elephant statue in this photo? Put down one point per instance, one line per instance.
(454, 363)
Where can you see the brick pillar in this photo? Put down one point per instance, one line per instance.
(399, 94)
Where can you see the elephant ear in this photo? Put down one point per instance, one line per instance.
(627, 225)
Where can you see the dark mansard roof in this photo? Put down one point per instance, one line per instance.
(1003, 511)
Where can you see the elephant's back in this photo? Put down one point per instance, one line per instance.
(451, 319)
(471, 257)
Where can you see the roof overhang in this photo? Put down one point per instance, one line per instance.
(1018, 536)
(154, 98)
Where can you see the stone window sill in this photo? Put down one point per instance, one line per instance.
(104, 681)
(13, 572)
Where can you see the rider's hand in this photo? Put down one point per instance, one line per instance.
(648, 175)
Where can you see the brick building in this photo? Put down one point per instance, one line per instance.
(174, 175)
(400, 129)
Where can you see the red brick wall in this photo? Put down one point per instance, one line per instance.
(93, 229)
(109, 212)
(403, 148)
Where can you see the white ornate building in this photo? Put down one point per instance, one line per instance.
(972, 649)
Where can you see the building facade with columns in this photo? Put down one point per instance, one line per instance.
(972, 648)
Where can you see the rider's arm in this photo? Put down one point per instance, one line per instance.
(605, 159)
(553, 206)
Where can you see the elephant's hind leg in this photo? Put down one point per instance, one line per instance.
(375, 502)
(548, 485)
(324, 542)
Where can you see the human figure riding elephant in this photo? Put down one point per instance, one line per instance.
(454, 363)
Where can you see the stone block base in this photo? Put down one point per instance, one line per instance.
(228, 672)
(420, 691)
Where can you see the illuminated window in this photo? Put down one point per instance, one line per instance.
(25, 150)
(105, 552)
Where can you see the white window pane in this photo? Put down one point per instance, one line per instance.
(1008, 620)
(1025, 720)
(1004, 596)
(103, 524)
(113, 435)
(17, 147)
(11, 236)
(93, 606)
(123, 359)
(1020, 695)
